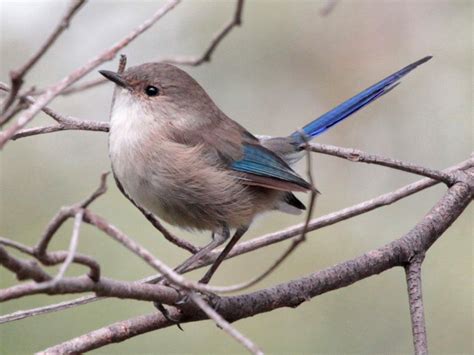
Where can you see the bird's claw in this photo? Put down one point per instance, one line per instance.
(159, 306)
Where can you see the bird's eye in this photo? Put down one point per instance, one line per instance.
(152, 90)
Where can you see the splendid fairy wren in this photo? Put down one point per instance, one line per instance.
(176, 154)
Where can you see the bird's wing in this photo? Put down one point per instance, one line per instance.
(262, 167)
(233, 147)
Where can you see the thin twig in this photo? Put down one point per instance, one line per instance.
(192, 61)
(72, 247)
(341, 215)
(18, 74)
(224, 325)
(22, 314)
(13, 110)
(54, 258)
(66, 213)
(359, 156)
(65, 123)
(415, 300)
(181, 243)
(16, 245)
(328, 7)
(130, 244)
(149, 258)
(236, 20)
(85, 86)
(92, 126)
(106, 55)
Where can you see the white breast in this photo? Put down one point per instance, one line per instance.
(129, 138)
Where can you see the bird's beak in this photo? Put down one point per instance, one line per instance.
(116, 78)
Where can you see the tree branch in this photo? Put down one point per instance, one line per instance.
(107, 55)
(359, 156)
(235, 21)
(23, 269)
(415, 299)
(18, 74)
(72, 248)
(224, 325)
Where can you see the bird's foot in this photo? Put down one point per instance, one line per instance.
(160, 307)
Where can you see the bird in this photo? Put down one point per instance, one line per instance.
(177, 155)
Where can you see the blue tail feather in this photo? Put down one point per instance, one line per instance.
(354, 104)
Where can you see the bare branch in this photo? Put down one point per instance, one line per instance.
(16, 245)
(13, 110)
(415, 299)
(192, 61)
(85, 86)
(65, 123)
(23, 269)
(65, 213)
(92, 126)
(18, 74)
(151, 260)
(72, 247)
(21, 314)
(224, 325)
(181, 243)
(293, 293)
(272, 238)
(103, 287)
(58, 257)
(359, 156)
(107, 55)
(346, 213)
(236, 20)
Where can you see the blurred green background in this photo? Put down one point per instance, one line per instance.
(283, 67)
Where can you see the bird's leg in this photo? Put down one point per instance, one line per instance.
(218, 238)
(237, 235)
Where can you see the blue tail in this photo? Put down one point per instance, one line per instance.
(347, 108)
